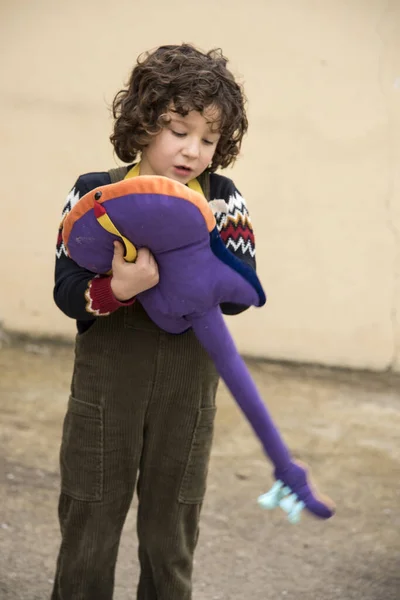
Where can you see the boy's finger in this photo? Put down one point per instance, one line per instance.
(144, 254)
(118, 250)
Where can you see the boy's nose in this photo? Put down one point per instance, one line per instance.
(191, 149)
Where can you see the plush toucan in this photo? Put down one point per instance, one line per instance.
(196, 275)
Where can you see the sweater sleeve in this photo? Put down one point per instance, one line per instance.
(236, 231)
(235, 226)
(79, 293)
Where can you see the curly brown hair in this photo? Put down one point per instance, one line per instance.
(187, 79)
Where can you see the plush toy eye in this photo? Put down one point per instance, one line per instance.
(97, 195)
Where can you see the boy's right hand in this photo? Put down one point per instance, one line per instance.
(129, 279)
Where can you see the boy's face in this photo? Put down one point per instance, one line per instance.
(184, 147)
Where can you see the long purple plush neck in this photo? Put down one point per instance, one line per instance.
(213, 334)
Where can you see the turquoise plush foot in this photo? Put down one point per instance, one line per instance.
(281, 495)
(293, 492)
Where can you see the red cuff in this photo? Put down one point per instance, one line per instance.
(100, 299)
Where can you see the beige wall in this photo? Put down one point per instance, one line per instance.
(320, 166)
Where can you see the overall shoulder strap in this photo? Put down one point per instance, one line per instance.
(118, 173)
(204, 181)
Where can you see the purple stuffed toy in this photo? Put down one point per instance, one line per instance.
(197, 274)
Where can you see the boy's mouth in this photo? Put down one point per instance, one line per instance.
(183, 170)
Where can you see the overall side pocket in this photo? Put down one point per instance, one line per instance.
(81, 453)
(194, 481)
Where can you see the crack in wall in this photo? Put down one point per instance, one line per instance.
(394, 314)
(389, 197)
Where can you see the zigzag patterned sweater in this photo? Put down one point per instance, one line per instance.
(83, 295)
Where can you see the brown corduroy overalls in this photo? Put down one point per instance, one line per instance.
(142, 401)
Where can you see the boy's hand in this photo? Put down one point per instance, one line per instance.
(129, 279)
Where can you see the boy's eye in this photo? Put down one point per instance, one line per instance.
(178, 134)
(208, 142)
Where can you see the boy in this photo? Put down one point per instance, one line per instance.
(143, 400)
